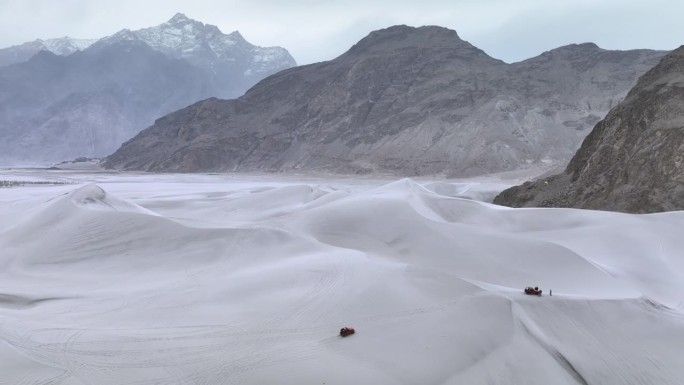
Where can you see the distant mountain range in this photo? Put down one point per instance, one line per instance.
(633, 160)
(66, 98)
(404, 101)
(60, 46)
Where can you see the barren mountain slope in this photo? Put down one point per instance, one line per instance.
(405, 101)
(632, 161)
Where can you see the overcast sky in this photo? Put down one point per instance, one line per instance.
(317, 30)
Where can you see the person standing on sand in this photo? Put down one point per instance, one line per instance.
(550, 293)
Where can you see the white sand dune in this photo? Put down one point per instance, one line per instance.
(181, 279)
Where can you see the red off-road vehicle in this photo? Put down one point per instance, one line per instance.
(533, 291)
(346, 331)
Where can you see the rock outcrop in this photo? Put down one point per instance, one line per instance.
(404, 101)
(632, 161)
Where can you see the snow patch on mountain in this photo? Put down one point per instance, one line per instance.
(205, 45)
(62, 46)
(66, 45)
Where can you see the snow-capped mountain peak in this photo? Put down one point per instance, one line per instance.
(179, 18)
(205, 46)
(185, 37)
(202, 44)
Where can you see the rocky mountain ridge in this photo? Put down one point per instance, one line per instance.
(404, 101)
(632, 161)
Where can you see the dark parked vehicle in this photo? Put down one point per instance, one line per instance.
(533, 291)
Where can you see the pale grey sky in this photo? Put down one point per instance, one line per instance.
(317, 30)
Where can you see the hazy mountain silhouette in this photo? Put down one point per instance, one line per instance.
(86, 103)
